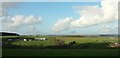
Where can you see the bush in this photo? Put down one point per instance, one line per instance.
(60, 42)
(71, 43)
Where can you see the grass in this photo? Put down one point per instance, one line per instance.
(4, 37)
(88, 39)
(60, 52)
(34, 43)
(81, 41)
(48, 42)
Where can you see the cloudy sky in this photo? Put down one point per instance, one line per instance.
(47, 18)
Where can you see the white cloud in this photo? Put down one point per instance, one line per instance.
(105, 29)
(92, 15)
(108, 29)
(18, 21)
(62, 24)
(30, 20)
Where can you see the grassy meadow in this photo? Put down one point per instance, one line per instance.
(60, 52)
(84, 46)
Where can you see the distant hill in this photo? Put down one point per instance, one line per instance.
(8, 34)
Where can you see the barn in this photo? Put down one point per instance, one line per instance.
(40, 38)
(27, 39)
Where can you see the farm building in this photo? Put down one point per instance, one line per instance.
(24, 39)
(40, 39)
(27, 39)
(35, 39)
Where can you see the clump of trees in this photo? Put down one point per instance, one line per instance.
(59, 42)
(72, 43)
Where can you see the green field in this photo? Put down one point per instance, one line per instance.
(60, 52)
(51, 39)
(88, 39)
(85, 46)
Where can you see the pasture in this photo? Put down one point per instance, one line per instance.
(51, 40)
(84, 46)
(88, 42)
(88, 39)
(60, 52)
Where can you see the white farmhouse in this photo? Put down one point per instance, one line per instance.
(9, 39)
(24, 39)
(40, 39)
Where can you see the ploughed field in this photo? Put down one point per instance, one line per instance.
(61, 46)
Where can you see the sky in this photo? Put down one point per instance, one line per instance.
(60, 18)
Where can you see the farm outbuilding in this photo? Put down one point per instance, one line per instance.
(25, 39)
(28, 39)
(40, 39)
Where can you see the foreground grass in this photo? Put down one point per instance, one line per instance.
(60, 52)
